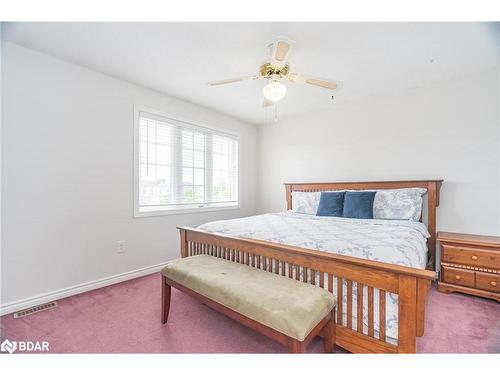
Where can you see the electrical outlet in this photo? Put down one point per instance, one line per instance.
(120, 247)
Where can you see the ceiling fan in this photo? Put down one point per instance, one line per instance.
(277, 70)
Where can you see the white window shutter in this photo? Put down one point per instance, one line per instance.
(183, 166)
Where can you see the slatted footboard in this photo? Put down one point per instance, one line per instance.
(350, 279)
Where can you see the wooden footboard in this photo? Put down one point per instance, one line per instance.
(348, 276)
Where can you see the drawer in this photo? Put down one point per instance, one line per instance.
(458, 277)
(471, 256)
(488, 281)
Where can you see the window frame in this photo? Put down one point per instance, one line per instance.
(192, 124)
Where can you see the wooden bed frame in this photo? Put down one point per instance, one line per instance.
(410, 284)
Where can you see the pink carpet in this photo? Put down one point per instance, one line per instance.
(125, 318)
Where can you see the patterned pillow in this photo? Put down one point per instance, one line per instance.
(305, 202)
(398, 204)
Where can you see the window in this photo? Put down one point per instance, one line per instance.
(182, 167)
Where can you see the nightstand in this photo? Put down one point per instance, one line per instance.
(470, 264)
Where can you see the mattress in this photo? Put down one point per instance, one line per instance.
(390, 241)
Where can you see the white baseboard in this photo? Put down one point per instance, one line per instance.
(25, 303)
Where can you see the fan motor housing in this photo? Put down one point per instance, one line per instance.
(268, 69)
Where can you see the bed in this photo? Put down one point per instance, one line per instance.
(386, 265)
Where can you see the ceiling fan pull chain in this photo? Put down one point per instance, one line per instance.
(275, 112)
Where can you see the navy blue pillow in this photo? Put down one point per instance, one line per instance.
(331, 203)
(359, 204)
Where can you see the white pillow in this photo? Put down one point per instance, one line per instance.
(305, 202)
(398, 204)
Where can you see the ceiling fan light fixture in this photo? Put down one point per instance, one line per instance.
(274, 90)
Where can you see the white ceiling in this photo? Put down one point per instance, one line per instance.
(179, 58)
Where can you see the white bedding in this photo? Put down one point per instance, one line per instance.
(389, 241)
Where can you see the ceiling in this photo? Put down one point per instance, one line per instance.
(179, 58)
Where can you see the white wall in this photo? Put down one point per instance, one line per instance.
(450, 131)
(67, 176)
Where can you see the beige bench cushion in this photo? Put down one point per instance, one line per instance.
(286, 305)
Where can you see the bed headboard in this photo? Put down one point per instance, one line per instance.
(433, 187)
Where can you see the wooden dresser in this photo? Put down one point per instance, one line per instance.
(470, 264)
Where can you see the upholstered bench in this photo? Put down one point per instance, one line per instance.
(286, 310)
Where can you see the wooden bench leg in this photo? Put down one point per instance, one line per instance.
(296, 346)
(329, 334)
(165, 299)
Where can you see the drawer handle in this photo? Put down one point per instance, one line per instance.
(493, 283)
(458, 277)
(473, 257)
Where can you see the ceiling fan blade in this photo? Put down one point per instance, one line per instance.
(267, 103)
(231, 80)
(315, 81)
(280, 52)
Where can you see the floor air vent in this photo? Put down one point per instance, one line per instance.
(33, 310)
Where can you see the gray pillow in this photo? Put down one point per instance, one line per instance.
(398, 204)
(305, 202)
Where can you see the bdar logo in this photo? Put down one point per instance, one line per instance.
(8, 346)
(24, 346)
